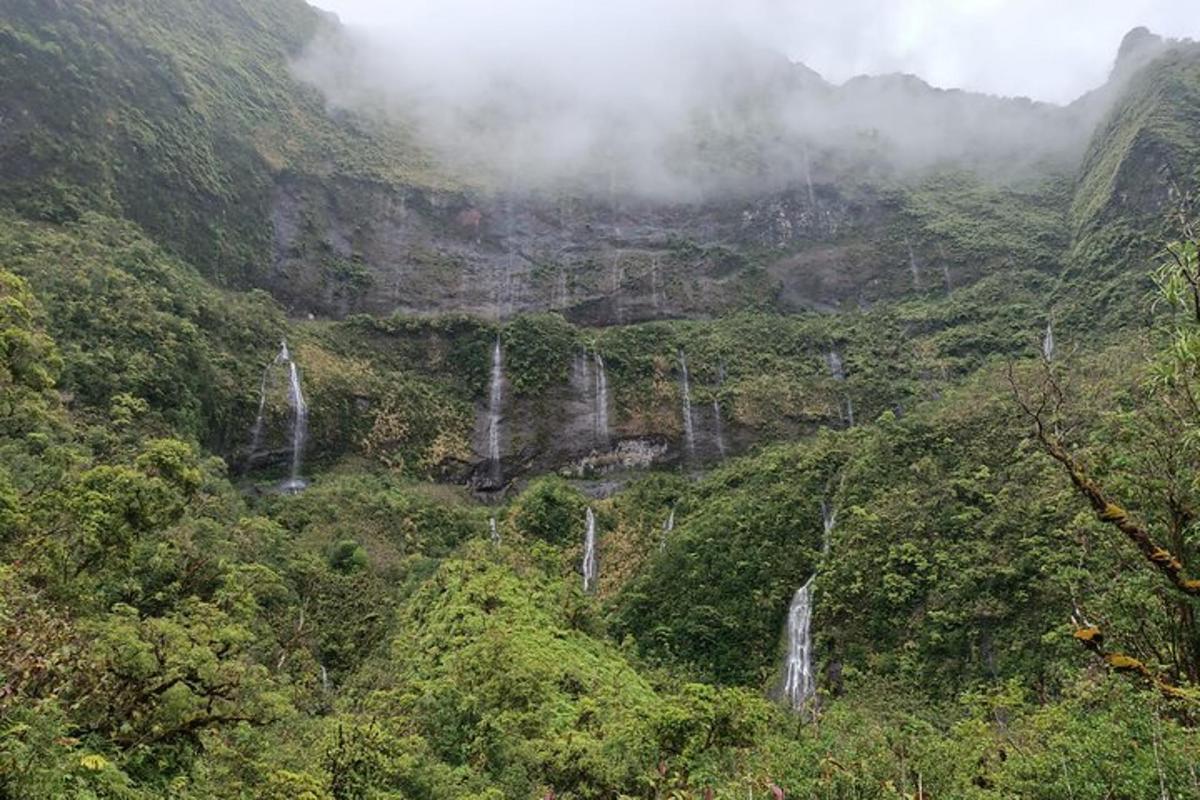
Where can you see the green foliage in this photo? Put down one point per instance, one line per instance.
(539, 351)
(165, 632)
(550, 510)
(178, 116)
(978, 223)
(751, 536)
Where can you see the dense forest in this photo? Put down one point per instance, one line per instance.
(330, 473)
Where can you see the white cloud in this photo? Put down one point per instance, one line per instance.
(1050, 50)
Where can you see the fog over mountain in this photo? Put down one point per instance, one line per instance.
(678, 98)
(1047, 51)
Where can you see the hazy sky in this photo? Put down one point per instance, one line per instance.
(1046, 49)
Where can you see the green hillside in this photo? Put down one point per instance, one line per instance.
(995, 536)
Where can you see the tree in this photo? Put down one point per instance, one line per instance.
(1162, 536)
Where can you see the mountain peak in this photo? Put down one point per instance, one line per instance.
(1139, 46)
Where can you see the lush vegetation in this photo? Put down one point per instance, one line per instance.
(1005, 605)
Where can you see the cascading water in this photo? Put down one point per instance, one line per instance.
(495, 406)
(299, 425)
(912, 266)
(837, 371)
(799, 684)
(324, 679)
(799, 681)
(812, 195)
(590, 571)
(828, 521)
(494, 532)
(1048, 342)
(689, 430)
(836, 368)
(601, 413)
(656, 286)
(299, 431)
(718, 422)
(667, 528)
(718, 427)
(257, 433)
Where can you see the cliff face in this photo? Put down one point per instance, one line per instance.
(344, 246)
(220, 155)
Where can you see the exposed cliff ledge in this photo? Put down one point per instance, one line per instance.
(346, 246)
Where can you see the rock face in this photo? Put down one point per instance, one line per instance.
(343, 247)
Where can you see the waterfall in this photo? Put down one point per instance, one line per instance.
(718, 422)
(689, 431)
(718, 427)
(256, 432)
(828, 521)
(912, 265)
(836, 368)
(837, 371)
(812, 195)
(655, 284)
(601, 412)
(495, 406)
(299, 424)
(1048, 342)
(299, 408)
(799, 684)
(494, 532)
(589, 553)
(667, 529)
(564, 298)
(324, 679)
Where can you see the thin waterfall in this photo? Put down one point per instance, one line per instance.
(1048, 342)
(324, 679)
(689, 430)
(495, 406)
(256, 432)
(601, 412)
(667, 528)
(299, 424)
(836, 368)
(799, 683)
(656, 291)
(799, 680)
(494, 532)
(912, 265)
(837, 371)
(299, 407)
(718, 427)
(590, 571)
(718, 422)
(828, 521)
(812, 195)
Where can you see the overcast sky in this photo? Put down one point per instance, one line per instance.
(1046, 49)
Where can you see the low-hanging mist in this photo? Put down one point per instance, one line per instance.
(661, 99)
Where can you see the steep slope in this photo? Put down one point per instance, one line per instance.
(744, 394)
(1141, 162)
(178, 116)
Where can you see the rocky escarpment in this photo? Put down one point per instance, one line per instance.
(351, 246)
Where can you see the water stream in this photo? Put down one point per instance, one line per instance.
(589, 567)
(689, 430)
(495, 407)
